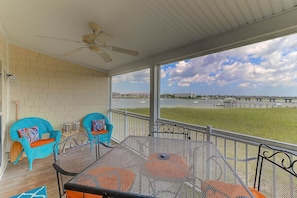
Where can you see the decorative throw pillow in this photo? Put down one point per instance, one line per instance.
(31, 134)
(98, 125)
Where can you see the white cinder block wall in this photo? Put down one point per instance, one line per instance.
(54, 89)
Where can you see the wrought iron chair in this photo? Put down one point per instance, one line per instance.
(72, 156)
(102, 135)
(273, 164)
(169, 130)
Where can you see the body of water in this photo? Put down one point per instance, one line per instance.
(195, 103)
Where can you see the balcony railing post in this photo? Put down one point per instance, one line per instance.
(208, 132)
(125, 124)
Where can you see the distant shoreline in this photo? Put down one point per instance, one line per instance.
(123, 103)
(271, 123)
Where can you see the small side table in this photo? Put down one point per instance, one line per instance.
(66, 134)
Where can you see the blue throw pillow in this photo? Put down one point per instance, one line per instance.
(98, 125)
(31, 134)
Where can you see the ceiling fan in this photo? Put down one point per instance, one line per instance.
(96, 42)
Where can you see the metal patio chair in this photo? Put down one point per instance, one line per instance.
(73, 155)
(273, 164)
(169, 130)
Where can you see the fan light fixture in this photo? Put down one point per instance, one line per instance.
(96, 42)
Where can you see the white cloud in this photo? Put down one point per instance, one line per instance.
(268, 64)
(183, 84)
(244, 85)
(262, 65)
(163, 73)
(142, 76)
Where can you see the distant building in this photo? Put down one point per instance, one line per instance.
(130, 95)
(146, 95)
(229, 100)
(139, 95)
(185, 95)
(116, 94)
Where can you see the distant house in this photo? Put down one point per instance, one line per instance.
(229, 100)
(185, 95)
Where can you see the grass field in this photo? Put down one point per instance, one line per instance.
(271, 123)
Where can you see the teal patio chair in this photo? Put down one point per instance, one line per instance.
(30, 133)
(98, 126)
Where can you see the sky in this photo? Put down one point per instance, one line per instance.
(267, 68)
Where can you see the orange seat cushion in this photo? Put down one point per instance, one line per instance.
(218, 189)
(76, 194)
(41, 142)
(112, 178)
(99, 132)
(174, 167)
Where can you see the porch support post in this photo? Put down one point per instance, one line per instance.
(208, 132)
(154, 96)
(109, 113)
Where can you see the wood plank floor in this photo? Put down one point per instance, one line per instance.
(17, 178)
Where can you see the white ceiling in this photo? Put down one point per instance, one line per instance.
(161, 30)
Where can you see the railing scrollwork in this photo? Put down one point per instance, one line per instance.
(282, 158)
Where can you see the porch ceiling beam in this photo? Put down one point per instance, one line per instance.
(273, 27)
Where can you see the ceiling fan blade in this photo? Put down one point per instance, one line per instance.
(104, 56)
(103, 37)
(95, 27)
(73, 51)
(63, 39)
(125, 51)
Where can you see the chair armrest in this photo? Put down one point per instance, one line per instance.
(62, 171)
(23, 141)
(88, 129)
(105, 145)
(109, 127)
(56, 134)
(241, 160)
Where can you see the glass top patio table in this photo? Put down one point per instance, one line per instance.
(160, 167)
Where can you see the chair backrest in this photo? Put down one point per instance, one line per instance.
(278, 165)
(169, 130)
(87, 121)
(43, 126)
(72, 156)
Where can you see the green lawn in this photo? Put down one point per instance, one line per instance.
(272, 123)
